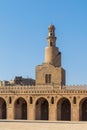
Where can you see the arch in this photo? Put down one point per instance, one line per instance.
(52, 100)
(10, 100)
(3, 111)
(83, 109)
(31, 100)
(20, 109)
(41, 109)
(74, 100)
(64, 109)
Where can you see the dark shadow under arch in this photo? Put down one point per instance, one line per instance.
(64, 109)
(83, 110)
(41, 109)
(3, 111)
(20, 109)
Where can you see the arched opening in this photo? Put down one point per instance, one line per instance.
(64, 110)
(42, 109)
(52, 100)
(3, 112)
(20, 109)
(31, 100)
(74, 100)
(10, 100)
(83, 110)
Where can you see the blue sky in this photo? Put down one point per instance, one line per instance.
(23, 31)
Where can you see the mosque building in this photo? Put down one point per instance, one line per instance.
(47, 97)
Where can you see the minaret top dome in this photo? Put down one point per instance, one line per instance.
(51, 27)
(51, 36)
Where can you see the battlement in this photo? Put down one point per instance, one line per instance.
(75, 87)
(46, 89)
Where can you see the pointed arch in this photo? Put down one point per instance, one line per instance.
(10, 100)
(83, 109)
(64, 109)
(31, 100)
(42, 109)
(20, 109)
(52, 100)
(3, 110)
(74, 100)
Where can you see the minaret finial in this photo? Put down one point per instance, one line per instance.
(51, 35)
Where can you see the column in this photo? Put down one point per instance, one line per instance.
(74, 112)
(52, 112)
(31, 112)
(10, 112)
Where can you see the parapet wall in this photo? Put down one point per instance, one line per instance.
(56, 89)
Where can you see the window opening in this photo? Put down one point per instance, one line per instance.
(31, 100)
(52, 100)
(10, 100)
(74, 100)
(48, 78)
(50, 43)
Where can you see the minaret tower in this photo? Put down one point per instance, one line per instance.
(51, 72)
(52, 54)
